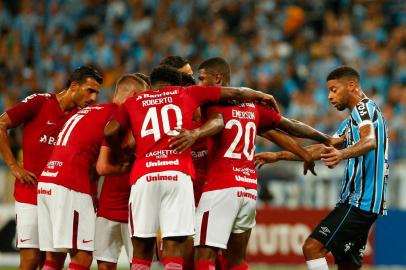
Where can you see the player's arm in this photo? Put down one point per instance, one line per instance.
(104, 166)
(290, 144)
(18, 171)
(247, 94)
(186, 138)
(115, 130)
(301, 130)
(366, 143)
(314, 150)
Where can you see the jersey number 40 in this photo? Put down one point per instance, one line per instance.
(152, 125)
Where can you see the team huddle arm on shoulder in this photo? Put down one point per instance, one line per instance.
(301, 130)
(247, 94)
(186, 138)
(5, 150)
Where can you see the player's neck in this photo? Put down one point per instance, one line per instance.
(65, 101)
(356, 97)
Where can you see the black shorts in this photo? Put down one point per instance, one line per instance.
(344, 232)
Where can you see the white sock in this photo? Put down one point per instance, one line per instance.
(317, 264)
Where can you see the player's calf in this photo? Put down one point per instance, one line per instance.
(315, 253)
(80, 260)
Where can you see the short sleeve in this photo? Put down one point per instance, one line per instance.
(121, 116)
(204, 94)
(27, 109)
(268, 118)
(361, 114)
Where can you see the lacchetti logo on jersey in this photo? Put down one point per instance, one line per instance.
(161, 177)
(161, 153)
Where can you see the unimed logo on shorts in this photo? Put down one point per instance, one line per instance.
(45, 191)
(159, 177)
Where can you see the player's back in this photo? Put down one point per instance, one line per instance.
(154, 116)
(77, 147)
(232, 151)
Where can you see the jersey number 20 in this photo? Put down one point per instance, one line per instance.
(250, 128)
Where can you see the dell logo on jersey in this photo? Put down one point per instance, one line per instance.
(162, 163)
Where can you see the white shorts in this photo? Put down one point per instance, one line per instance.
(162, 200)
(222, 212)
(110, 237)
(27, 225)
(66, 219)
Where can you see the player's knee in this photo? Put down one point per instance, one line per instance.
(106, 265)
(311, 247)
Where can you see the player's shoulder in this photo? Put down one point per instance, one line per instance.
(38, 97)
(152, 94)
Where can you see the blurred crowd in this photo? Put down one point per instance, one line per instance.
(283, 47)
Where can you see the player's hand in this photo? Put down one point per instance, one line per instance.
(23, 175)
(308, 164)
(264, 158)
(332, 157)
(270, 100)
(336, 141)
(183, 140)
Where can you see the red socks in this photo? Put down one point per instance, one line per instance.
(174, 263)
(243, 266)
(139, 264)
(74, 266)
(205, 265)
(50, 265)
(221, 262)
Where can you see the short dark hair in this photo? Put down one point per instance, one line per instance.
(174, 61)
(344, 72)
(130, 77)
(80, 75)
(217, 65)
(187, 80)
(144, 77)
(165, 73)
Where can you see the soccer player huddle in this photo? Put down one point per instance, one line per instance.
(179, 161)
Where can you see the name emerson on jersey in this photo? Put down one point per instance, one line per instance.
(158, 98)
